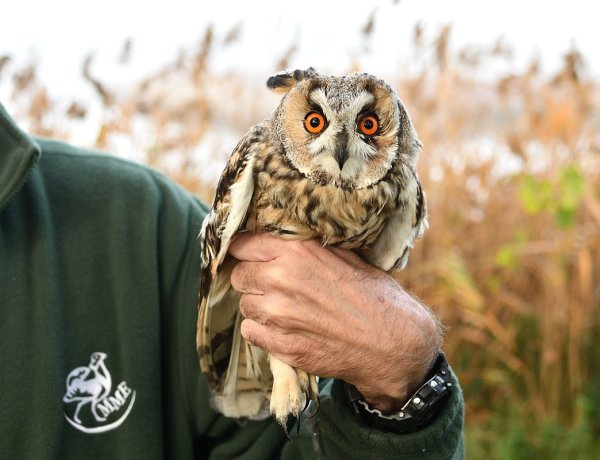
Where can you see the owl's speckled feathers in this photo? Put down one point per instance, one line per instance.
(335, 161)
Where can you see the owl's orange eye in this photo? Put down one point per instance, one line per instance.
(314, 123)
(368, 124)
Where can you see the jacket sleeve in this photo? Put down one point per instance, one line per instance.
(337, 432)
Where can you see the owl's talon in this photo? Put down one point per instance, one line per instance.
(318, 404)
(308, 399)
(285, 430)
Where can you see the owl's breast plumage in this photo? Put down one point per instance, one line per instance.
(292, 205)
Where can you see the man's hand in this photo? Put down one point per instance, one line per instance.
(326, 311)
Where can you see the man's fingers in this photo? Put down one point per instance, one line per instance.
(289, 348)
(245, 278)
(274, 341)
(257, 334)
(271, 310)
(260, 247)
(252, 307)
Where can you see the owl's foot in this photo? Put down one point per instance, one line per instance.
(309, 385)
(293, 389)
(288, 396)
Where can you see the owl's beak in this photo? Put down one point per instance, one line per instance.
(341, 152)
(341, 155)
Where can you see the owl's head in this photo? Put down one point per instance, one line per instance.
(346, 130)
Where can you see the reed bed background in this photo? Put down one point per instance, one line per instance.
(511, 167)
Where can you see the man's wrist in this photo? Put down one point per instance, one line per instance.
(420, 345)
(420, 408)
(391, 396)
(387, 403)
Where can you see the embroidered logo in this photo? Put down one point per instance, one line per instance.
(89, 405)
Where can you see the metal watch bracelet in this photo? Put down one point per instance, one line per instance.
(420, 408)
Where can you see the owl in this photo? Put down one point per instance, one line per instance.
(335, 161)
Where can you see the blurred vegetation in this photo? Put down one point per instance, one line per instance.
(511, 166)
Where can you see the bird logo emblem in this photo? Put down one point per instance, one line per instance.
(92, 384)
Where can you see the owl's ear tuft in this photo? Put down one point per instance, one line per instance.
(282, 82)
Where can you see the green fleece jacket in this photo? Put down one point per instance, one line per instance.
(99, 265)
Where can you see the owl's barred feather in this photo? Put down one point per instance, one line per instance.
(327, 180)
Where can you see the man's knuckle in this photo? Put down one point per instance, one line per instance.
(245, 305)
(235, 277)
(269, 315)
(240, 276)
(252, 336)
(274, 276)
(244, 277)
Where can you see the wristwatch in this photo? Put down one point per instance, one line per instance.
(419, 410)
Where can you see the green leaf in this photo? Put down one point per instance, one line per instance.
(506, 257)
(564, 217)
(536, 195)
(493, 283)
(572, 186)
(529, 195)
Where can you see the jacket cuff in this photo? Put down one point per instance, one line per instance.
(442, 438)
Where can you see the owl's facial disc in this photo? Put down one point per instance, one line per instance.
(347, 145)
(342, 131)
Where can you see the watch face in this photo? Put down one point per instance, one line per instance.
(428, 396)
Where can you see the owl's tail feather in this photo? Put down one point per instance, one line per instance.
(244, 394)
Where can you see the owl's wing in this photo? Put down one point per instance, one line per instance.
(392, 247)
(221, 349)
